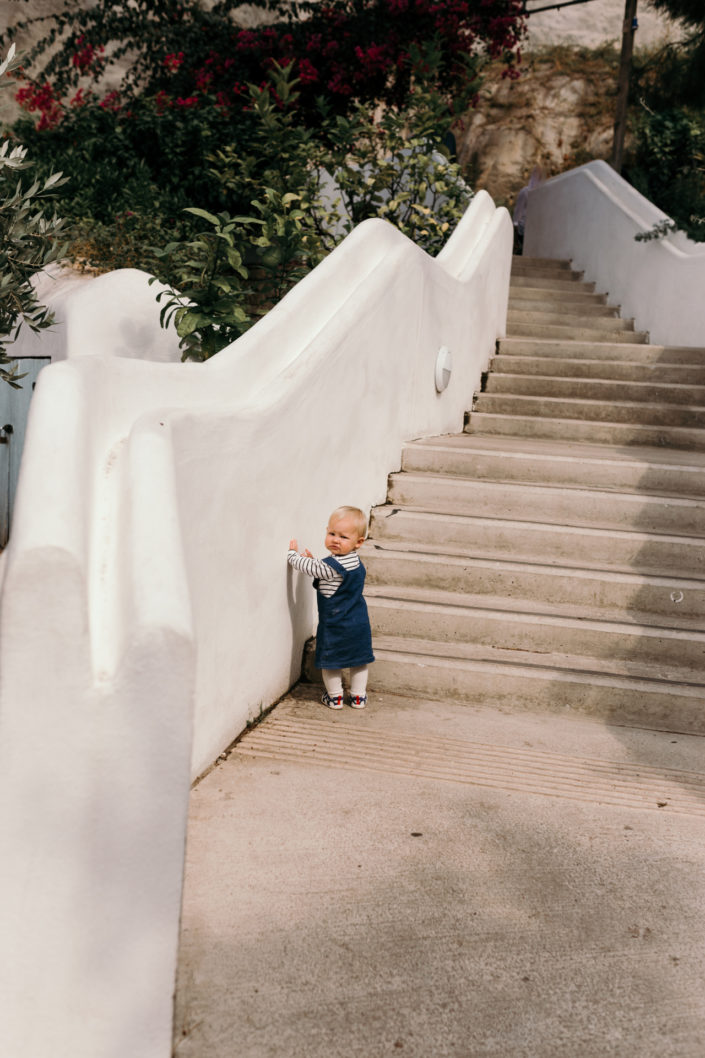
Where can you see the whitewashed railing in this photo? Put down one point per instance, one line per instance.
(147, 612)
(590, 215)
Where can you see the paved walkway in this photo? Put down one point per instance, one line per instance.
(425, 879)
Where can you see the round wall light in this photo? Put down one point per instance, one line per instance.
(444, 366)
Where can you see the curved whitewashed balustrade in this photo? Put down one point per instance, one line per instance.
(106, 315)
(590, 215)
(147, 611)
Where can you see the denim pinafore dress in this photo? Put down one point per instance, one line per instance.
(343, 638)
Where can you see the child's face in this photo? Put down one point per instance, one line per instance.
(342, 537)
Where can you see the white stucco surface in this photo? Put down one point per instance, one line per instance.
(106, 315)
(590, 215)
(147, 611)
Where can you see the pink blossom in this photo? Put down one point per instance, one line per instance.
(307, 71)
(80, 99)
(162, 100)
(173, 61)
(111, 101)
(86, 56)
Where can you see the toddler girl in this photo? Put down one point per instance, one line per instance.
(343, 638)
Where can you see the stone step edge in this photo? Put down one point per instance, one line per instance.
(564, 308)
(514, 609)
(516, 339)
(506, 344)
(569, 362)
(418, 547)
(391, 647)
(421, 477)
(544, 448)
(594, 335)
(556, 262)
(465, 474)
(574, 287)
(581, 401)
(582, 665)
(560, 273)
(561, 297)
(690, 437)
(565, 380)
(555, 453)
(636, 578)
(605, 325)
(589, 530)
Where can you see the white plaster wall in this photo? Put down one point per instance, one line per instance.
(106, 315)
(147, 611)
(590, 215)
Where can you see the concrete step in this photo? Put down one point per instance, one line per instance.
(516, 318)
(610, 433)
(560, 504)
(558, 308)
(678, 415)
(420, 667)
(551, 282)
(654, 650)
(573, 332)
(618, 370)
(604, 593)
(566, 294)
(572, 349)
(527, 262)
(665, 471)
(539, 541)
(606, 390)
(535, 267)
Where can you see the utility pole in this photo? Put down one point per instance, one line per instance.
(625, 63)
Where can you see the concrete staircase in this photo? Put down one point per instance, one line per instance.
(553, 555)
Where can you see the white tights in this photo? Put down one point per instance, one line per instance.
(333, 679)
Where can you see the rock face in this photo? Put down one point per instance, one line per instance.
(558, 114)
(561, 112)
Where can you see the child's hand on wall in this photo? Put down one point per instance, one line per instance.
(293, 546)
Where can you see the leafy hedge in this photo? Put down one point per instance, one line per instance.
(207, 165)
(28, 241)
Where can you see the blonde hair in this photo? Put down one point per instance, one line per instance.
(356, 516)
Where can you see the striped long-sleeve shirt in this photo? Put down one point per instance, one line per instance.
(315, 567)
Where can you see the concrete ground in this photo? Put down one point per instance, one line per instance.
(428, 879)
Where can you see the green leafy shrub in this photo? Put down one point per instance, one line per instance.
(667, 159)
(28, 242)
(227, 276)
(221, 194)
(207, 308)
(394, 165)
(667, 164)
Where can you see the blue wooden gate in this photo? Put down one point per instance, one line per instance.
(14, 409)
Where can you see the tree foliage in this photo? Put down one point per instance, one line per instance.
(689, 11)
(347, 50)
(666, 161)
(227, 136)
(28, 242)
(234, 268)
